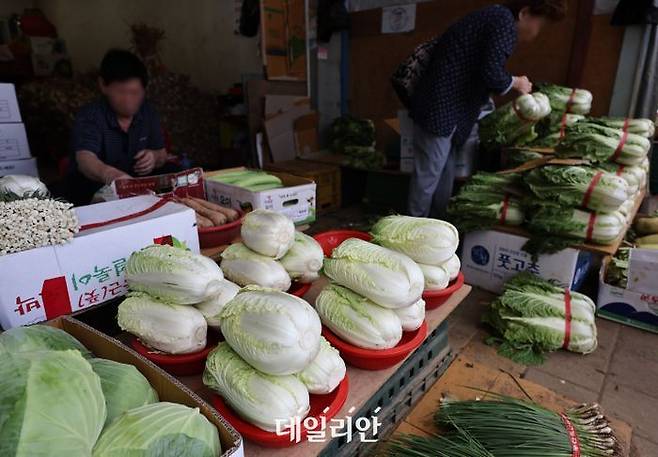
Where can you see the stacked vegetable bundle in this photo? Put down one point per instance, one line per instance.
(30, 218)
(505, 427)
(272, 253)
(514, 123)
(252, 180)
(355, 138)
(56, 399)
(487, 199)
(568, 107)
(273, 357)
(175, 296)
(534, 316)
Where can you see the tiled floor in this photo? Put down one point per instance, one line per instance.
(621, 375)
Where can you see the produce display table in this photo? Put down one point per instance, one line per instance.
(389, 388)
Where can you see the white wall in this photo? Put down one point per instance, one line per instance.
(199, 35)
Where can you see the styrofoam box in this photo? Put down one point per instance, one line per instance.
(26, 167)
(9, 112)
(637, 305)
(51, 281)
(490, 258)
(13, 142)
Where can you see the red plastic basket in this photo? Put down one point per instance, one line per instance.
(373, 359)
(179, 364)
(334, 401)
(435, 298)
(210, 237)
(331, 240)
(298, 289)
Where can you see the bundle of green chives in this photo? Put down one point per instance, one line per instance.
(507, 427)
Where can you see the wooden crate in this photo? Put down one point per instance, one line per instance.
(326, 177)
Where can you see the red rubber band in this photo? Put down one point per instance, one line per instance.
(622, 142)
(590, 189)
(571, 97)
(620, 170)
(590, 226)
(567, 318)
(503, 212)
(160, 203)
(573, 436)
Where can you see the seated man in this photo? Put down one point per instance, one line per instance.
(117, 136)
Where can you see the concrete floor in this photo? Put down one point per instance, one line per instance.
(621, 375)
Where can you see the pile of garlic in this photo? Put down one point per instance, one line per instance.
(34, 222)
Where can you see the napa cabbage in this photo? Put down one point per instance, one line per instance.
(424, 240)
(268, 233)
(412, 317)
(259, 398)
(212, 307)
(246, 267)
(275, 332)
(325, 372)
(357, 320)
(172, 329)
(173, 275)
(386, 277)
(436, 277)
(304, 259)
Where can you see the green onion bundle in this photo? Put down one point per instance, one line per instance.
(485, 202)
(507, 427)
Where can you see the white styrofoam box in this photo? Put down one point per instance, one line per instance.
(26, 167)
(406, 141)
(490, 258)
(637, 305)
(296, 199)
(13, 142)
(47, 282)
(9, 112)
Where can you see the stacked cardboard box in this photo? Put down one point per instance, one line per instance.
(15, 157)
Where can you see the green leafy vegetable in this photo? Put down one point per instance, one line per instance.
(577, 101)
(531, 316)
(51, 404)
(159, 429)
(124, 387)
(578, 186)
(39, 338)
(259, 398)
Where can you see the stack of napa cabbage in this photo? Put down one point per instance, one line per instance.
(274, 357)
(56, 399)
(272, 253)
(431, 243)
(175, 295)
(376, 294)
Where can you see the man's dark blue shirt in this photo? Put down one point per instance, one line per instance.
(466, 67)
(96, 129)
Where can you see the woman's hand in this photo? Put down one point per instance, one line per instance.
(522, 84)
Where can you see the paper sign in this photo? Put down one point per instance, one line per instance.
(398, 19)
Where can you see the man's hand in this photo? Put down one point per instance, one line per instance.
(522, 84)
(144, 162)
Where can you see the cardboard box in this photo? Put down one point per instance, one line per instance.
(296, 200)
(9, 112)
(490, 258)
(637, 305)
(168, 388)
(44, 283)
(283, 35)
(13, 142)
(26, 167)
(280, 130)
